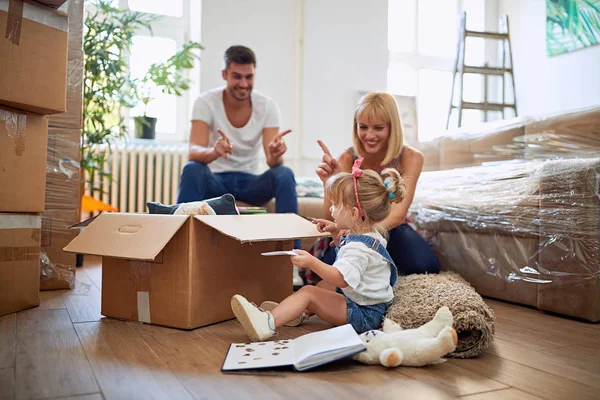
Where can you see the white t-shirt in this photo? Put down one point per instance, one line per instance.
(366, 272)
(247, 140)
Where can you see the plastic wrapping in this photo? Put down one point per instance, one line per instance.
(525, 230)
(57, 268)
(15, 125)
(63, 169)
(73, 118)
(62, 203)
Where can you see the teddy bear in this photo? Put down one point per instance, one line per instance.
(195, 208)
(393, 346)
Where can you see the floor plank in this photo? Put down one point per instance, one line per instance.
(452, 378)
(93, 269)
(141, 329)
(125, 366)
(8, 327)
(84, 301)
(368, 382)
(52, 299)
(551, 361)
(527, 337)
(506, 394)
(96, 396)
(50, 361)
(555, 328)
(7, 383)
(577, 353)
(527, 379)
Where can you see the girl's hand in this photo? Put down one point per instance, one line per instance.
(324, 225)
(303, 259)
(338, 235)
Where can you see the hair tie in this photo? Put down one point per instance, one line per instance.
(392, 195)
(357, 173)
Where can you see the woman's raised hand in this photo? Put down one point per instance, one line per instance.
(328, 165)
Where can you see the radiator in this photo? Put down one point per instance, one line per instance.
(140, 173)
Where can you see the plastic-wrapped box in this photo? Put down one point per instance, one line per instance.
(73, 117)
(526, 231)
(62, 169)
(23, 146)
(57, 269)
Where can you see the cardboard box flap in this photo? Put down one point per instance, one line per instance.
(132, 236)
(262, 227)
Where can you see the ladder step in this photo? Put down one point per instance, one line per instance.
(486, 70)
(487, 35)
(485, 106)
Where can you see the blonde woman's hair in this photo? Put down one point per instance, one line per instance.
(380, 106)
(376, 193)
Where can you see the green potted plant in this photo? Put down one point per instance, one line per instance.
(167, 77)
(108, 34)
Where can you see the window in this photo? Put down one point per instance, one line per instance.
(170, 31)
(422, 37)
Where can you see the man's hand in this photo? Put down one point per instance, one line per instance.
(223, 146)
(303, 259)
(328, 166)
(276, 148)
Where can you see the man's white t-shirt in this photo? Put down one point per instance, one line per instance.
(247, 140)
(366, 272)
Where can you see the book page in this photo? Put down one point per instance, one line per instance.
(259, 355)
(328, 341)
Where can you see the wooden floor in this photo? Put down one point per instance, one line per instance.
(65, 349)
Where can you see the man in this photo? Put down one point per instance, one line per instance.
(229, 124)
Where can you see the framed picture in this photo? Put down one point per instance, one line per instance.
(571, 25)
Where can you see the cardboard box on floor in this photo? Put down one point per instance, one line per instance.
(19, 262)
(181, 271)
(23, 146)
(33, 57)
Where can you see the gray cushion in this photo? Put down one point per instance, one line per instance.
(224, 205)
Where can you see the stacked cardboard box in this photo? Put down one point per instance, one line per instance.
(33, 77)
(62, 168)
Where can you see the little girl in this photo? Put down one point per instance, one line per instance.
(363, 269)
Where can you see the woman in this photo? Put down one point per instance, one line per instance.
(379, 139)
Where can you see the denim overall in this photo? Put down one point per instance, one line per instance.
(366, 318)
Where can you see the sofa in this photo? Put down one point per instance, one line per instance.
(514, 207)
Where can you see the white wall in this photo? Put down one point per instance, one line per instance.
(548, 84)
(345, 51)
(313, 56)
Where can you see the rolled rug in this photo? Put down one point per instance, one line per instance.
(418, 297)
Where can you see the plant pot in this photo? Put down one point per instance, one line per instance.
(145, 127)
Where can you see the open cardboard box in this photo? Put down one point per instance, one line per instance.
(181, 271)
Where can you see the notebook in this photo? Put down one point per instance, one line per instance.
(303, 353)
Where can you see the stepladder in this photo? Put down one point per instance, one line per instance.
(504, 70)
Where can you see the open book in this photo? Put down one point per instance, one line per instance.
(303, 353)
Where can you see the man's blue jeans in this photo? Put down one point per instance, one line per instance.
(198, 182)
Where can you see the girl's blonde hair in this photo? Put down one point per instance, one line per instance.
(380, 106)
(376, 193)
